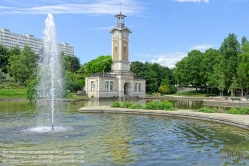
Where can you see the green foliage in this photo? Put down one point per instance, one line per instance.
(136, 106)
(15, 51)
(163, 89)
(154, 74)
(116, 104)
(152, 105)
(226, 68)
(71, 82)
(159, 105)
(208, 110)
(243, 67)
(233, 111)
(230, 48)
(4, 77)
(126, 104)
(234, 84)
(243, 110)
(22, 67)
(99, 65)
(31, 90)
(70, 63)
(4, 57)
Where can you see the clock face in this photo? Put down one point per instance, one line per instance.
(115, 34)
(125, 34)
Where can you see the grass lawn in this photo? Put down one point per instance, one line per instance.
(190, 94)
(13, 93)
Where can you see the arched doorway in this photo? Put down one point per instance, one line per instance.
(126, 88)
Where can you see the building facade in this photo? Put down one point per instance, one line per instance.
(120, 81)
(10, 40)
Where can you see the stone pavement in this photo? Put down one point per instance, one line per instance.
(241, 121)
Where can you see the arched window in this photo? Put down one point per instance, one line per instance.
(124, 48)
(116, 48)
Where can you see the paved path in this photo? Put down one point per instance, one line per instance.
(230, 119)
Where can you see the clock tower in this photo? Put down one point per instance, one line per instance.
(120, 81)
(120, 45)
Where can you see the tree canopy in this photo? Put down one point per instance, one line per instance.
(22, 67)
(98, 65)
(226, 68)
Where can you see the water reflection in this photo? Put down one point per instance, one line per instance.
(181, 104)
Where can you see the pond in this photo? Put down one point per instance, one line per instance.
(108, 139)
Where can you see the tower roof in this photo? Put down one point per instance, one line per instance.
(120, 23)
(120, 15)
(120, 29)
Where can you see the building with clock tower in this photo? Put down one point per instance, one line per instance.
(120, 81)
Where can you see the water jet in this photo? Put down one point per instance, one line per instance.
(50, 86)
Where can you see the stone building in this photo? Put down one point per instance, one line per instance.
(120, 81)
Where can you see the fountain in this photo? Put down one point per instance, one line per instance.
(50, 86)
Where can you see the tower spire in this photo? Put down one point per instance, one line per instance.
(120, 7)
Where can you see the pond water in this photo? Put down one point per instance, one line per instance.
(116, 139)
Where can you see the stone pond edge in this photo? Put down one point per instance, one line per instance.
(241, 121)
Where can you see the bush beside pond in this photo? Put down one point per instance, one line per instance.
(152, 105)
(208, 110)
(243, 110)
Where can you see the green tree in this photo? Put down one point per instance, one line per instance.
(15, 51)
(188, 70)
(221, 83)
(80, 76)
(99, 65)
(234, 85)
(243, 68)
(70, 63)
(244, 41)
(181, 73)
(207, 72)
(23, 67)
(230, 48)
(194, 69)
(4, 57)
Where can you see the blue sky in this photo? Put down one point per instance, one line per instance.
(163, 31)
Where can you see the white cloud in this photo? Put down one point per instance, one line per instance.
(130, 7)
(207, 1)
(201, 47)
(166, 59)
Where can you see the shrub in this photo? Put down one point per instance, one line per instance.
(208, 110)
(233, 111)
(159, 105)
(243, 111)
(116, 104)
(163, 89)
(126, 104)
(137, 106)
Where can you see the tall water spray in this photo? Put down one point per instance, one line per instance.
(50, 86)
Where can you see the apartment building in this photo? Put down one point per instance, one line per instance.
(9, 40)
